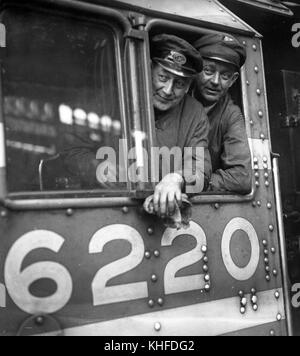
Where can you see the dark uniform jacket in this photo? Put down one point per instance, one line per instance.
(186, 126)
(229, 149)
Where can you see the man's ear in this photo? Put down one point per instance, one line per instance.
(234, 78)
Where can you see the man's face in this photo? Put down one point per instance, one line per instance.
(168, 89)
(215, 80)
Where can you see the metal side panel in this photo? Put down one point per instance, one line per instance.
(270, 5)
(121, 272)
(210, 11)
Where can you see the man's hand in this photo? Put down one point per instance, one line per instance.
(167, 193)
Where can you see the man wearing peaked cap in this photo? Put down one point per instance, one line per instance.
(223, 56)
(176, 55)
(181, 120)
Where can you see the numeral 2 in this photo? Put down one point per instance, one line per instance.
(175, 284)
(121, 293)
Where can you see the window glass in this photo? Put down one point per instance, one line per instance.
(61, 101)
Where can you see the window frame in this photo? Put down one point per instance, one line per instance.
(211, 197)
(121, 29)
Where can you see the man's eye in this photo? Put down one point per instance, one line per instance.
(180, 84)
(226, 76)
(163, 78)
(208, 71)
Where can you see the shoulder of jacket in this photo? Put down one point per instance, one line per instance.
(232, 113)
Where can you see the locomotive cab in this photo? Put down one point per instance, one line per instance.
(81, 258)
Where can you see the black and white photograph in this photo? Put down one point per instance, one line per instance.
(149, 170)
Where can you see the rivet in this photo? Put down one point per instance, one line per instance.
(267, 184)
(266, 252)
(160, 301)
(217, 206)
(272, 333)
(279, 317)
(207, 278)
(255, 307)
(204, 249)
(156, 253)
(254, 204)
(257, 175)
(125, 210)
(257, 184)
(273, 250)
(39, 320)
(277, 295)
(254, 299)
(263, 137)
(268, 269)
(255, 160)
(157, 326)
(3, 214)
(266, 260)
(151, 303)
(154, 278)
(254, 47)
(150, 231)
(243, 310)
(70, 212)
(260, 114)
(258, 92)
(241, 294)
(147, 255)
(247, 82)
(268, 278)
(271, 228)
(265, 159)
(269, 205)
(265, 242)
(243, 302)
(265, 167)
(258, 203)
(244, 43)
(251, 122)
(253, 291)
(266, 175)
(256, 70)
(275, 273)
(205, 259)
(256, 167)
(207, 287)
(205, 268)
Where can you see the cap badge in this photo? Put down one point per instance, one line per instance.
(228, 39)
(177, 58)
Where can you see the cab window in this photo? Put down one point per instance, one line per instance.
(222, 160)
(61, 101)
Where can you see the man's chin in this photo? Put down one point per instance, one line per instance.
(211, 98)
(163, 107)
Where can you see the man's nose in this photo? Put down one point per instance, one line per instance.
(168, 88)
(216, 78)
